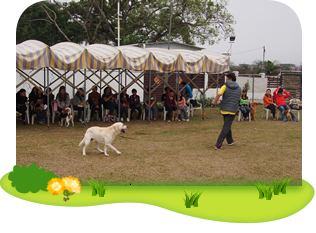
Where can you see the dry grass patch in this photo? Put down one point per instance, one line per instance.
(176, 153)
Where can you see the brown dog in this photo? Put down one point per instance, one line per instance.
(288, 115)
(253, 106)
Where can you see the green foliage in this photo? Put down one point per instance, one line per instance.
(192, 200)
(207, 101)
(97, 188)
(30, 179)
(247, 86)
(35, 24)
(95, 21)
(271, 67)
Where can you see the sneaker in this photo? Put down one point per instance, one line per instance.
(80, 120)
(127, 119)
(234, 141)
(295, 119)
(188, 119)
(122, 119)
(218, 148)
(41, 122)
(155, 118)
(284, 119)
(169, 121)
(183, 119)
(179, 120)
(24, 122)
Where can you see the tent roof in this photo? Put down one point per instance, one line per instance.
(34, 54)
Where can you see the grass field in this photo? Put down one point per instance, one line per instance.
(176, 153)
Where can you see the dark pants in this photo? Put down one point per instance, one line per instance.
(93, 109)
(169, 110)
(111, 107)
(22, 110)
(139, 109)
(272, 108)
(80, 111)
(123, 110)
(41, 114)
(226, 130)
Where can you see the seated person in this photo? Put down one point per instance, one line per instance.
(39, 107)
(153, 105)
(187, 91)
(167, 90)
(95, 103)
(268, 103)
(170, 105)
(63, 102)
(182, 107)
(279, 98)
(109, 100)
(51, 100)
(134, 103)
(244, 105)
(78, 103)
(124, 104)
(21, 101)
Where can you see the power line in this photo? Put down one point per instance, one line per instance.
(248, 51)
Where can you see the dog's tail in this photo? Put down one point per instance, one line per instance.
(81, 143)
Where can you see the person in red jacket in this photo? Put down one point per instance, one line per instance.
(279, 98)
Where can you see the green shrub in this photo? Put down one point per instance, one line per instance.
(192, 199)
(30, 179)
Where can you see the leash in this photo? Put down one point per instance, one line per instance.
(148, 140)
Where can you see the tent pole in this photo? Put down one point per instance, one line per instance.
(73, 88)
(203, 97)
(47, 91)
(85, 104)
(119, 99)
(149, 95)
(253, 87)
(177, 89)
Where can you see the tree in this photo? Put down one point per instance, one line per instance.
(142, 21)
(41, 21)
(271, 67)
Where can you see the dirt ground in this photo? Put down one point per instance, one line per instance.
(176, 153)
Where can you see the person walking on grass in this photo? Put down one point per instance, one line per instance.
(279, 98)
(230, 93)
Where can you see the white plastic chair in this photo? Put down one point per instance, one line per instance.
(266, 111)
(240, 114)
(293, 110)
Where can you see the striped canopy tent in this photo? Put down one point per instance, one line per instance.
(68, 56)
(31, 55)
(216, 65)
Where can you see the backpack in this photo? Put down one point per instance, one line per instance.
(109, 118)
(194, 103)
(295, 104)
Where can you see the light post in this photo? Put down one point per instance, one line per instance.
(170, 21)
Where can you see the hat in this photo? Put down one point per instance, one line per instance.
(244, 90)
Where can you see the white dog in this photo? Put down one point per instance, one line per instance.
(68, 117)
(105, 135)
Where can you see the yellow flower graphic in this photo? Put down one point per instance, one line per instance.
(72, 184)
(56, 186)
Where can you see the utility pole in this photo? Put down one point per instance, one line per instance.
(264, 51)
(118, 24)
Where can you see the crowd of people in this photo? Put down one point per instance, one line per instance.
(175, 106)
(37, 103)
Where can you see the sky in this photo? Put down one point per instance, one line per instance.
(262, 23)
